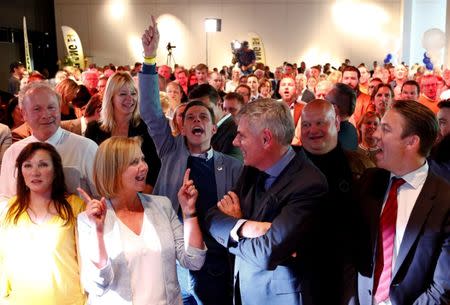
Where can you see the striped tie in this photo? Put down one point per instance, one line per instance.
(386, 237)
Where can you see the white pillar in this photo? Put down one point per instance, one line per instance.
(447, 36)
(406, 17)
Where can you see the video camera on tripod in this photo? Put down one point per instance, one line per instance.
(235, 46)
(170, 57)
(169, 47)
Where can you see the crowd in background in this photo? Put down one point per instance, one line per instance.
(75, 134)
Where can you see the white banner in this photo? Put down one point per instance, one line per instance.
(28, 64)
(73, 45)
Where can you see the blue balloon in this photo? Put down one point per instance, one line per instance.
(389, 56)
(429, 66)
(386, 60)
(426, 60)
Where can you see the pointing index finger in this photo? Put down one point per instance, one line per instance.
(84, 195)
(186, 176)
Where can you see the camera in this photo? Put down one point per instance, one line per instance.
(169, 47)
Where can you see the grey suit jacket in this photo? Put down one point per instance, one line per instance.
(111, 285)
(173, 151)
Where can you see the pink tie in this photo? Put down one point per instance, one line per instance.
(386, 237)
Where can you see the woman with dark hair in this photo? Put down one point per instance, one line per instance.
(38, 256)
(365, 128)
(382, 98)
(14, 116)
(80, 100)
(264, 88)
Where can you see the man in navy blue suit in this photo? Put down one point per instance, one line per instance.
(404, 249)
(267, 221)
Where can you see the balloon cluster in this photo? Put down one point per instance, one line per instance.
(427, 61)
(388, 58)
(433, 41)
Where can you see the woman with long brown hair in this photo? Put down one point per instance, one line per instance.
(38, 256)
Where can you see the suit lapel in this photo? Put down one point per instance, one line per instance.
(419, 214)
(270, 199)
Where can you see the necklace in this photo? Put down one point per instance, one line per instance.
(35, 218)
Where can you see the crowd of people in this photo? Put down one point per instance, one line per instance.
(302, 185)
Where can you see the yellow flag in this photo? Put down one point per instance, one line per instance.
(257, 45)
(73, 45)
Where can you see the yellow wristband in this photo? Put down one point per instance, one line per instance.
(150, 60)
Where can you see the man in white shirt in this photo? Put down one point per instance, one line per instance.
(40, 106)
(403, 251)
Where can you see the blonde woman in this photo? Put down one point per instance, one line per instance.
(129, 242)
(120, 117)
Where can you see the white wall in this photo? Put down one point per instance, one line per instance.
(292, 30)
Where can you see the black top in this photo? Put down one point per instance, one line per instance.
(96, 134)
(347, 136)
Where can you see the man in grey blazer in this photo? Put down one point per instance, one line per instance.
(213, 173)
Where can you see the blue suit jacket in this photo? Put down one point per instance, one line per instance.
(422, 269)
(268, 274)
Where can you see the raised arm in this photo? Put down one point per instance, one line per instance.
(149, 103)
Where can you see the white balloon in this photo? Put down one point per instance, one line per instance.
(433, 39)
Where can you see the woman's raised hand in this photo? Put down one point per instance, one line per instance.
(150, 39)
(95, 209)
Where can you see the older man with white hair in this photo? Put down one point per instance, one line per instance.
(41, 109)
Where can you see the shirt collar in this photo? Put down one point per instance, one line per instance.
(277, 168)
(417, 177)
(53, 139)
(223, 119)
(206, 155)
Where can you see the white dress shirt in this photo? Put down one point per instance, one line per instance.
(77, 154)
(406, 199)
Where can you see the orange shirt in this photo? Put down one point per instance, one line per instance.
(363, 104)
(432, 104)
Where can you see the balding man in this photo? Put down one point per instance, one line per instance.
(319, 135)
(40, 106)
(270, 215)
